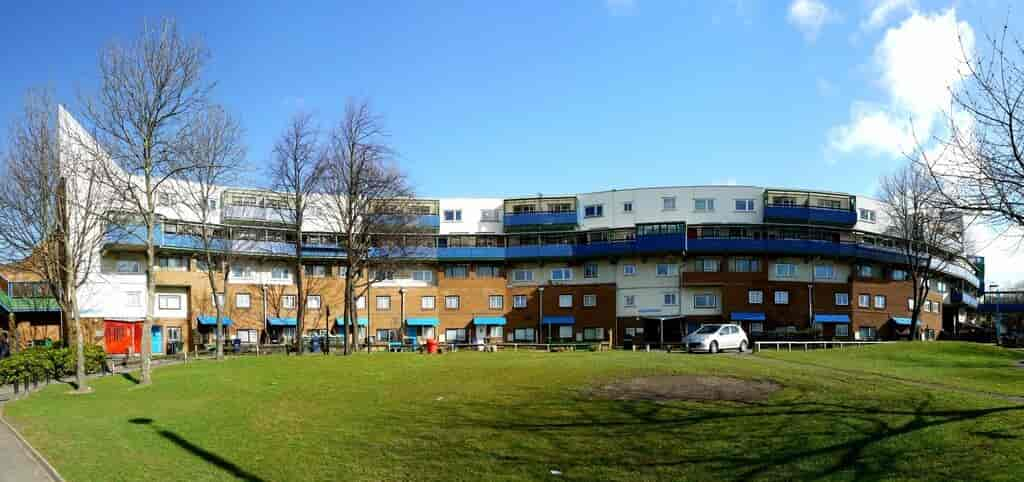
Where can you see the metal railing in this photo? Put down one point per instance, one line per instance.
(810, 345)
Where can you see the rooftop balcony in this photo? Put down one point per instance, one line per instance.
(258, 214)
(803, 207)
(540, 214)
(959, 297)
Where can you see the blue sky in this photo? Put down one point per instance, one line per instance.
(512, 98)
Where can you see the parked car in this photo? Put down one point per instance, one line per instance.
(715, 338)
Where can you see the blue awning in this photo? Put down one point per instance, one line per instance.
(899, 320)
(422, 321)
(281, 321)
(212, 320)
(831, 318)
(747, 316)
(489, 320)
(559, 320)
(361, 321)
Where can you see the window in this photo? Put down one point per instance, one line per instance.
(342, 271)
(243, 300)
(456, 271)
(451, 302)
(124, 266)
(940, 286)
(785, 270)
(899, 275)
(423, 275)
(593, 334)
(288, 302)
(383, 303)
(488, 271)
(133, 299)
(173, 333)
(705, 301)
(489, 215)
(361, 303)
(755, 297)
(565, 301)
(707, 265)
(628, 269)
(910, 303)
(746, 265)
(866, 333)
(589, 300)
(564, 332)
(590, 270)
(668, 203)
(164, 199)
(593, 211)
(864, 301)
(519, 301)
(386, 335)
(455, 335)
(427, 302)
(452, 215)
(880, 301)
(173, 262)
(824, 271)
(842, 299)
(634, 332)
(169, 302)
(867, 215)
(220, 299)
(782, 297)
(561, 274)
(667, 270)
(842, 329)
(522, 334)
(627, 206)
(211, 203)
(522, 275)
(384, 275)
(830, 204)
(495, 302)
(279, 273)
(865, 271)
(670, 299)
(630, 300)
(704, 205)
(756, 327)
(316, 270)
(745, 205)
(313, 302)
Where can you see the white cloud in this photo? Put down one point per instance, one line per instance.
(810, 16)
(918, 61)
(883, 9)
(1003, 254)
(620, 7)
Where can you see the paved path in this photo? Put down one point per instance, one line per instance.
(17, 460)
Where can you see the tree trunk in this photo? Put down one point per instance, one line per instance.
(300, 312)
(15, 341)
(147, 326)
(80, 380)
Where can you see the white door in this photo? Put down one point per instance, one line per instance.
(481, 333)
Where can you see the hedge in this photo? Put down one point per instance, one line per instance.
(38, 363)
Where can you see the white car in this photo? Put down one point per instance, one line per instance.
(715, 338)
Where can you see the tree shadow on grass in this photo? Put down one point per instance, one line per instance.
(200, 452)
(131, 377)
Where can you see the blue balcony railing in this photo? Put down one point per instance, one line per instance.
(809, 215)
(459, 254)
(541, 219)
(958, 297)
(256, 213)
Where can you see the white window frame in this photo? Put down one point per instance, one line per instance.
(590, 300)
(627, 206)
(128, 266)
(423, 275)
(747, 205)
(495, 302)
(705, 301)
(704, 205)
(708, 265)
(670, 299)
(565, 332)
(881, 301)
(428, 303)
(361, 303)
(842, 329)
(755, 300)
(133, 299)
(864, 300)
(668, 203)
(781, 297)
(452, 302)
(288, 302)
(629, 270)
(522, 275)
(519, 301)
(565, 301)
(565, 274)
(163, 302)
(310, 302)
(243, 296)
(593, 211)
(829, 271)
(456, 216)
(867, 215)
(279, 273)
(383, 303)
(629, 300)
(842, 299)
(670, 269)
(780, 272)
(591, 270)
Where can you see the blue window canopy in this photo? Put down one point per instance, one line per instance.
(831, 318)
(899, 320)
(422, 321)
(281, 321)
(747, 316)
(489, 320)
(361, 321)
(559, 320)
(212, 320)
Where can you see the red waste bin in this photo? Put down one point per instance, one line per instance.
(431, 345)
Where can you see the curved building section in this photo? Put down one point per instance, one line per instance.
(630, 266)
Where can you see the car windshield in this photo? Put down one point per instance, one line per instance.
(708, 329)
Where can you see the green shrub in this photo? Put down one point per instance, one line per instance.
(40, 363)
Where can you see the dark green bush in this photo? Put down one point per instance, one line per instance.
(40, 363)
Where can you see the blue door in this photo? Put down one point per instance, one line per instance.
(158, 339)
(412, 332)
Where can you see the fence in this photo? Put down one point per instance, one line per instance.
(811, 345)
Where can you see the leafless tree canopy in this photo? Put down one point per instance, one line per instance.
(930, 238)
(368, 201)
(979, 160)
(150, 89)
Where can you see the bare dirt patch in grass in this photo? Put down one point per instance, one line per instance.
(687, 387)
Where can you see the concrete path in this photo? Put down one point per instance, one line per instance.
(19, 462)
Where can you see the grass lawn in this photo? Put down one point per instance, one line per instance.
(840, 415)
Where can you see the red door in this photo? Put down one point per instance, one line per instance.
(122, 337)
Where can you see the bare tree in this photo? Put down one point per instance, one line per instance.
(929, 238)
(979, 158)
(51, 200)
(213, 144)
(297, 170)
(149, 91)
(368, 201)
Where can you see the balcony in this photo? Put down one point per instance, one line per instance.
(258, 214)
(959, 297)
(779, 213)
(471, 254)
(540, 221)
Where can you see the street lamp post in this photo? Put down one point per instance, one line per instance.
(992, 287)
(540, 322)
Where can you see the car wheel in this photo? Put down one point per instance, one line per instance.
(743, 346)
(713, 347)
